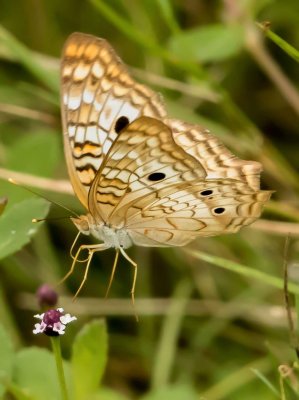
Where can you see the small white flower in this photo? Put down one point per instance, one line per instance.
(67, 318)
(53, 322)
(39, 328)
(39, 316)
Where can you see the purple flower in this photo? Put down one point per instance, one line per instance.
(46, 296)
(53, 322)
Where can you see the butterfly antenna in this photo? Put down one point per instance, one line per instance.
(36, 220)
(112, 273)
(134, 279)
(10, 180)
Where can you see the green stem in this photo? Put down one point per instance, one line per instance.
(167, 346)
(55, 341)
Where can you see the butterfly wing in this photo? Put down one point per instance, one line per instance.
(177, 214)
(98, 98)
(216, 159)
(143, 159)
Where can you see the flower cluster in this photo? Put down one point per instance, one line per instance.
(53, 322)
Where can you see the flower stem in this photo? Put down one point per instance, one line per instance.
(55, 341)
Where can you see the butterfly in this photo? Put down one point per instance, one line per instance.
(143, 177)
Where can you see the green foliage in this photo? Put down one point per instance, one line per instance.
(89, 359)
(30, 374)
(35, 372)
(6, 359)
(283, 44)
(15, 50)
(175, 392)
(16, 227)
(206, 44)
(38, 147)
(244, 270)
(3, 202)
(212, 321)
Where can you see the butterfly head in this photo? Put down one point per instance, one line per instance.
(82, 224)
(112, 237)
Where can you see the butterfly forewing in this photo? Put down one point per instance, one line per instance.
(164, 181)
(143, 159)
(98, 98)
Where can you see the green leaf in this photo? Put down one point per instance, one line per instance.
(35, 371)
(16, 50)
(244, 270)
(37, 147)
(175, 392)
(28, 154)
(6, 359)
(89, 359)
(16, 227)
(215, 42)
(107, 394)
(167, 12)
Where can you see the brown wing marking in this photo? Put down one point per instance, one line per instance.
(96, 91)
(143, 159)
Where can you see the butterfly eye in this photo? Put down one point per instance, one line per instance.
(218, 210)
(206, 192)
(120, 124)
(156, 176)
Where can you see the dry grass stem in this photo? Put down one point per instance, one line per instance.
(259, 52)
(24, 112)
(58, 186)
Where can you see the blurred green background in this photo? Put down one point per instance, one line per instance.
(212, 321)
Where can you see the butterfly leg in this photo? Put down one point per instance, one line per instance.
(134, 277)
(75, 259)
(112, 273)
(72, 248)
(91, 250)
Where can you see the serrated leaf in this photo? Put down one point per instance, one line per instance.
(6, 359)
(215, 42)
(89, 359)
(16, 227)
(35, 371)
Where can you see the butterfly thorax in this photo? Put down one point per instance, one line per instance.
(111, 236)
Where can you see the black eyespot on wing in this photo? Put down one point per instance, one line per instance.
(156, 176)
(206, 192)
(219, 210)
(121, 123)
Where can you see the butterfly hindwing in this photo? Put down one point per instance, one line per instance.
(134, 168)
(177, 214)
